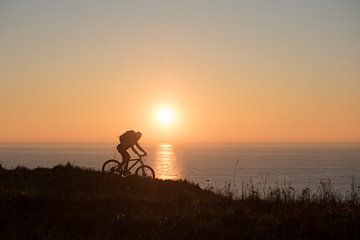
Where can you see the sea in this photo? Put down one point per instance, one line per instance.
(213, 166)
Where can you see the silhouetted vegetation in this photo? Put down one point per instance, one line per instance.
(67, 202)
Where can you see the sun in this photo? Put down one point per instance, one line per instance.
(165, 116)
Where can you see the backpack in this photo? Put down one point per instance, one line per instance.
(128, 137)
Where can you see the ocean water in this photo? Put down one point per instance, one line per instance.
(264, 165)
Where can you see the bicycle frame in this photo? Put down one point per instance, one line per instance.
(137, 160)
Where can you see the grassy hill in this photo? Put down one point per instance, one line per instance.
(66, 202)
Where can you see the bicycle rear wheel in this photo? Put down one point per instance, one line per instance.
(111, 166)
(145, 171)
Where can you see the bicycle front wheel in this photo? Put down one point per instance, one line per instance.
(111, 166)
(145, 171)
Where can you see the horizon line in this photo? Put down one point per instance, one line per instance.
(183, 142)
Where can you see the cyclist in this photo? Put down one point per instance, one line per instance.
(129, 139)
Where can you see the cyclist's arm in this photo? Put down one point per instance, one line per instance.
(140, 148)
(132, 148)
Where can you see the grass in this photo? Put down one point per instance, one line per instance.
(68, 202)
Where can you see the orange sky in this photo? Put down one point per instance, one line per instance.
(231, 72)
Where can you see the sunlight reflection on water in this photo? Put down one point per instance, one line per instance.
(166, 164)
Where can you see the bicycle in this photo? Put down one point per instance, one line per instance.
(116, 167)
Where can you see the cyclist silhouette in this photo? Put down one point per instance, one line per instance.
(129, 139)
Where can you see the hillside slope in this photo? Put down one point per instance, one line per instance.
(66, 202)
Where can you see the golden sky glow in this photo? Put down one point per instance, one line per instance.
(232, 71)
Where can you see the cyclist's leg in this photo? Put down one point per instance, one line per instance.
(125, 159)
